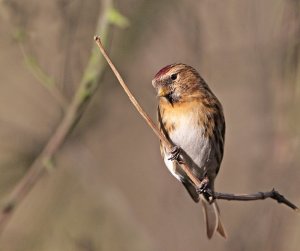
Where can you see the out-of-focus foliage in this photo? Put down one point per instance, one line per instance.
(109, 189)
(115, 17)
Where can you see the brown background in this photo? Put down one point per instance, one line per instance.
(110, 189)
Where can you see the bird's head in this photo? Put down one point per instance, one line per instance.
(177, 83)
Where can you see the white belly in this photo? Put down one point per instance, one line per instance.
(189, 136)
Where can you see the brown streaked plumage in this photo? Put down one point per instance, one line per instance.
(191, 117)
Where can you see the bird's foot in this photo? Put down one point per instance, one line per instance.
(175, 153)
(203, 185)
(204, 189)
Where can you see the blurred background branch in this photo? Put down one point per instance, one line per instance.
(43, 78)
(82, 96)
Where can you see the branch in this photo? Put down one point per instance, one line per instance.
(146, 117)
(198, 184)
(81, 98)
(273, 194)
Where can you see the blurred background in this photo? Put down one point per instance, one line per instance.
(109, 188)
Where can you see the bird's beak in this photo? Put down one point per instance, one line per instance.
(162, 91)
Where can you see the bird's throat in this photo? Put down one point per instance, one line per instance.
(171, 98)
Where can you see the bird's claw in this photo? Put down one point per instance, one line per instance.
(204, 189)
(203, 186)
(175, 153)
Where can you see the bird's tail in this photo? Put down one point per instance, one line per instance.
(212, 218)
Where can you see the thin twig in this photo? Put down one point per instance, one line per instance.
(81, 98)
(273, 194)
(216, 195)
(146, 117)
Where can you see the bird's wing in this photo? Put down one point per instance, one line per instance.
(219, 135)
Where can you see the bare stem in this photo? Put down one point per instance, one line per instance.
(146, 117)
(216, 195)
(273, 194)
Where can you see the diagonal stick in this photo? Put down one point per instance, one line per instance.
(146, 117)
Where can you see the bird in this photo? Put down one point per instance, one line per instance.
(192, 119)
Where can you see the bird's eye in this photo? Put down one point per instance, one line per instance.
(173, 76)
